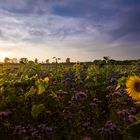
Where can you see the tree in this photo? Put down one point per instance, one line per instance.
(6, 60)
(68, 60)
(56, 59)
(36, 60)
(106, 58)
(111, 61)
(47, 61)
(14, 60)
(23, 60)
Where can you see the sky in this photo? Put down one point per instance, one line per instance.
(83, 30)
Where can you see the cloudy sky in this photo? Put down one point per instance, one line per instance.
(80, 29)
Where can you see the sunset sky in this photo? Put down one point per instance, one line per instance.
(83, 30)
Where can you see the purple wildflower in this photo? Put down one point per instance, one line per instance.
(113, 81)
(19, 130)
(109, 128)
(116, 94)
(126, 115)
(129, 100)
(123, 113)
(131, 118)
(101, 130)
(122, 91)
(125, 74)
(79, 96)
(95, 102)
(42, 125)
(110, 88)
(34, 133)
(47, 130)
(61, 93)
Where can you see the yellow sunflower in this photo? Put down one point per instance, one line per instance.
(133, 87)
(77, 65)
(46, 79)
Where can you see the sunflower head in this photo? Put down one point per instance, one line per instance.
(76, 65)
(46, 79)
(133, 87)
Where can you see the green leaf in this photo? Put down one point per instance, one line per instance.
(1, 89)
(53, 94)
(122, 80)
(26, 77)
(36, 110)
(41, 89)
(30, 92)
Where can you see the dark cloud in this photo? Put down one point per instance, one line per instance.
(28, 6)
(80, 8)
(127, 28)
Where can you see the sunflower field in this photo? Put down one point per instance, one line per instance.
(80, 102)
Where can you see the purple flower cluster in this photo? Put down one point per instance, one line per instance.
(61, 94)
(130, 99)
(125, 75)
(114, 95)
(122, 91)
(109, 128)
(110, 88)
(19, 130)
(3, 95)
(113, 81)
(79, 96)
(47, 130)
(95, 102)
(126, 115)
(33, 131)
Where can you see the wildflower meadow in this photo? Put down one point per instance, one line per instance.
(78, 102)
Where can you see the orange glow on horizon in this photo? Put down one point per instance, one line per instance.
(2, 55)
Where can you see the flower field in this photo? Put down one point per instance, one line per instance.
(80, 102)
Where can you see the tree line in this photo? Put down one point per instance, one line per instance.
(103, 61)
(24, 60)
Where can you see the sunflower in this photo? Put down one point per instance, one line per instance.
(76, 65)
(46, 79)
(133, 87)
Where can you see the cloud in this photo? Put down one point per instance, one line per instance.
(34, 28)
(1, 35)
(38, 7)
(70, 26)
(128, 28)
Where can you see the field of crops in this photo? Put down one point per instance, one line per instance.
(77, 102)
